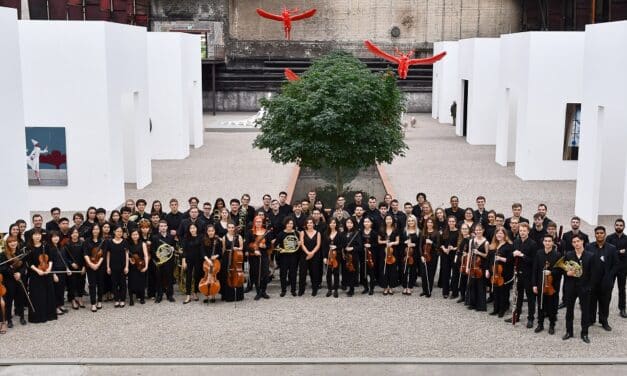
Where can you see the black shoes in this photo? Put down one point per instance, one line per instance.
(264, 295)
(314, 292)
(607, 327)
(131, 302)
(539, 328)
(171, 299)
(371, 292)
(282, 294)
(10, 324)
(529, 324)
(329, 293)
(623, 314)
(335, 294)
(257, 297)
(551, 329)
(568, 336)
(248, 289)
(142, 301)
(294, 293)
(494, 313)
(584, 337)
(460, 300)
(365, 291)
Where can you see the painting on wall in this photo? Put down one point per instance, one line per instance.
(46, 156)
(571, 131)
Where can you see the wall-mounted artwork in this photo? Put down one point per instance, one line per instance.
(46, 156)
(571, 131)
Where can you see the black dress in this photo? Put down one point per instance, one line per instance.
(117, 262)
(428, 270)
(351, 239)
(229, 294)
(95, 277)
(388, 272)
(75, 282)
(59, 262)
(409, 273)
(368, 275)
(311, 266)
(136, 279)
(192, 256)
(41, 290)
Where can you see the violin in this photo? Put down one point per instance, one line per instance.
(409, 255)
(332, 259)
(497, 274)
(350, 265)
(548, 288)
(43, 260)
(96, 255)
(235, 276)
(138, 261)
(426, 251)
(209, 284)
(475, 266)
(463, 267)
(369, 257)
(3, 289)
(389, 256)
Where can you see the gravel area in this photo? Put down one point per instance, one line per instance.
(438, 163)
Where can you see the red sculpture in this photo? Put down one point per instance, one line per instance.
(54, 158)
(286, 17)
(290, 75)
(404, 61)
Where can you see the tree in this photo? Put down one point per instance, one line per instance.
(338, 115)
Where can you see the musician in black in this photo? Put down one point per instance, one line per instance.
(14, 273)
(38, 222)
(192, 261)
(367, 273)
(543, 267)
(455, 210)
(258, 241)
(606, 262)
(500, 266)
(287, 243)
(193, 218)
(76, 281)
(567, 244)
(332, 247)
(211, 251)
(619, 240)
(309, 257)
(410, 246)
(164, 272)
(516, 213)
(174, 217)
(93, 255)
(578, 287)
(525, 249)
(459, 279)
(448, 248)
(351, 239)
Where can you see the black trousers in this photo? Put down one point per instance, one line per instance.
(547, 307)
(96, 284)
(367, 276)
(118, 284)
(259, 271)
(333, 277)
(15, 297)
(310, 266)
(428, 272)
(571, 294)
(75, 286)
(456, 278)
(525, 289)
(476, 294)
(165, 278)
(462, 284)
(408, 274)
(59, 290)
(446, 268)
(193, 271)
(153, 278)
(501, 299)
(288, 267)
(600, 299)
(621, 277)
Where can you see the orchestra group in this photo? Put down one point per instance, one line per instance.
(479, 256)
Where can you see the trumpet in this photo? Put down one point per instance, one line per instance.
(569, 266)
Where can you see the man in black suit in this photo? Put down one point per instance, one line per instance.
(619, 240)
(606, 262)
(578, 288)
(567, 245)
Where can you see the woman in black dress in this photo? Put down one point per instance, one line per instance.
(40, 284)
(501, 254)
(138, 252)
(117, 265)
(388, 240)
(368, 270)
(460, 280)
(331, 247)
(192, 262)
(258, 239)
(106, 235)
(230, 242)
(309, 258)
(476, 294)
(351, 242)
(211, 251)
(410, 242)
(287, 243)
(76, 281)
(14, 273)
(95, 270)
(222, 222)
(429, 248)
(59, 264)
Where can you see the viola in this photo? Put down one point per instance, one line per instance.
(235, 276)
(350, 265)
(43, 260)
(209, 284)
(548, 288)
(138, 261)
(389, 256)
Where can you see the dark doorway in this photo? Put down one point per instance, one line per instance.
(465, 107)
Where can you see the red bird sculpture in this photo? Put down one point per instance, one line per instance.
(290, 75)
(404, 61)
(286, 17)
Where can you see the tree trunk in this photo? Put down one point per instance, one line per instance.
(339, 182)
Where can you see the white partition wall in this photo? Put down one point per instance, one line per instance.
(192, 87)
(12, 142)
(540, 74)
(65, 84)
(127, 85)
(476, 88)
(602, 153)
(445, 76)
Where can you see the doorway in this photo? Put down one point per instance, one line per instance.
(465, 107)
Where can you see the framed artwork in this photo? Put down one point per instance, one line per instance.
(46, 156)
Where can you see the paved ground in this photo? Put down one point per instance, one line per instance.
(398, 326)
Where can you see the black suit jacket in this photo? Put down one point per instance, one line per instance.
(587, 263)
(606, 263)
(567, 239)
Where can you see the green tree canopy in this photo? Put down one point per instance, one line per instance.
(338, 115)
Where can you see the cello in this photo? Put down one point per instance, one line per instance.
(235, 278)
(209, 284)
